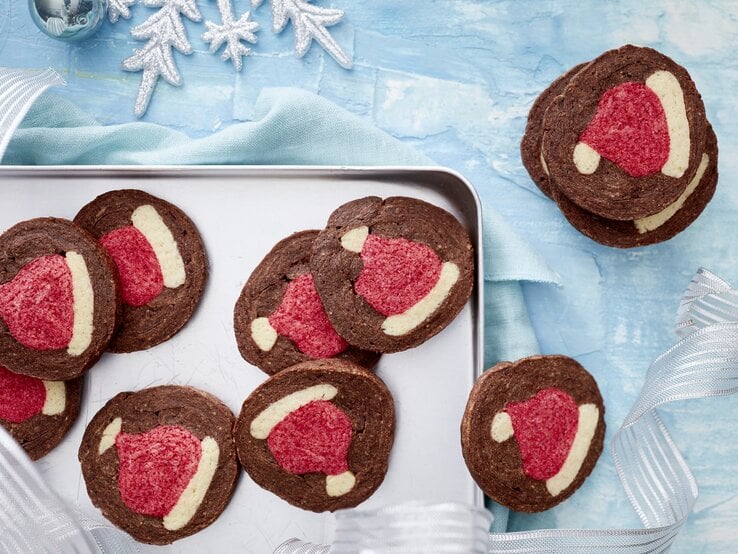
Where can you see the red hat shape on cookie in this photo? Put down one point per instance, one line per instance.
(163, 472)
(400, 278)
(301, 318)
(146, 257)
(48, 305)
(306, 433)
(155, 468)
(314, 438)
(23, 397)
(553, 435)
(641, 127)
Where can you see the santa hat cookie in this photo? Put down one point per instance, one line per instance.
(160, 463)
(533, 431)
(160, 260)
(655, 228)
(625, 147)
(38, 413)
(318, 434)
(392, 273)
(279, 319)
(58, 299)
(627, 135)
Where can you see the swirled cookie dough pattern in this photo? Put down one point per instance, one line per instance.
(160, 260)
(160, 463)
(392, 273)
(58, 299)
(318, 434)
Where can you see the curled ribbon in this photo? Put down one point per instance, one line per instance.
(653, 472)
(19, 89)
(34, 519)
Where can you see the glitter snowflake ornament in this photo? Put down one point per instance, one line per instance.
(231, 32)
(164, 31)
(119, 8)
(309, 23)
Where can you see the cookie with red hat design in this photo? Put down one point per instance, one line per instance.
(532, 431)
(657, 227)
(160, 260)
(38, 413)
(318, 434)
(279, 319)
(160, 463)
(392, 273)
(626, 137)
(58, 299)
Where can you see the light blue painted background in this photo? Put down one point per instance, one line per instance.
(456, 79)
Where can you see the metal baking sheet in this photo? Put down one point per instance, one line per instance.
(242, 212)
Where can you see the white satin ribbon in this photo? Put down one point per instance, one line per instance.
(34, 519)
(19, 89)
(410, 528)
(707, 300)
(653, 472)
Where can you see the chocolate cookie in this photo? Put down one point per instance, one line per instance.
(626, 137)
(530, 146)
(318, 434)
(38, 413)
(279, 319)
(58, 299)
(161, 263)
(392, 273)
(160, 463)
(533, 431)
(658, 227)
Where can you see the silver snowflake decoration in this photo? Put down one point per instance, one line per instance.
(164, 31)
(309, 23)
(232, 32)
(119, 8)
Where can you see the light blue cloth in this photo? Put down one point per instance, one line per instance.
(290, 127)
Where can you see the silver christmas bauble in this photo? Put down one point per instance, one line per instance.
(68, 20)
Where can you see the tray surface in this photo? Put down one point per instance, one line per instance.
(241, 213)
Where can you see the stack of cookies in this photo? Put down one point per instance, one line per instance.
(623, 146)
